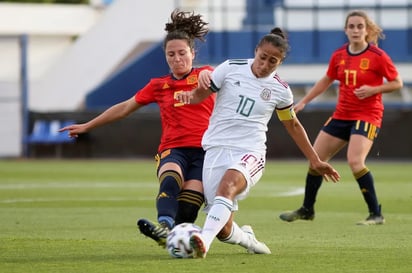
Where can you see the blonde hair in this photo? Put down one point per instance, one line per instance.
(375, 32)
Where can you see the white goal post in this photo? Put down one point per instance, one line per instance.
(13, 96)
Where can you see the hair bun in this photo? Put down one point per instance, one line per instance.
(278, 31)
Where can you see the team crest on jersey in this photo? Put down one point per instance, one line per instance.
(177, 102)
(191, 79)
(265, 94)
(364, 64)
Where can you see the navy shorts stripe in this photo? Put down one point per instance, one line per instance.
(343, 129)
(190, 161)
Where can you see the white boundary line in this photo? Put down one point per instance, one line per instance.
(295, 192)
(80, 185)
(275, 191)
(50, 200)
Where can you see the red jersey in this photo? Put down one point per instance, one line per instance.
(369, 67)
(183, 125)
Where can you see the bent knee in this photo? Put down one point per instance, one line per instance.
(232, 183)
(356, 163)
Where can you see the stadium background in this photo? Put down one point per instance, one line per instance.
(118, 48)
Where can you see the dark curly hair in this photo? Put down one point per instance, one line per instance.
(185, 26)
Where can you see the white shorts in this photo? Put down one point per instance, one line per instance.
(219, 160)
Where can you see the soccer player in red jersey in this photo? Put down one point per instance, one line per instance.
(360, 67)
(180, 154)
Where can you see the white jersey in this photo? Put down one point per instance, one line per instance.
(244, 105)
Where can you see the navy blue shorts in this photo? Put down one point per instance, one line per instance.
(190, 161)
(343, 129)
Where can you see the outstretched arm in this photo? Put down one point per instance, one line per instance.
(319, 87)
(200, 93)
(113, 113)
(298, 134)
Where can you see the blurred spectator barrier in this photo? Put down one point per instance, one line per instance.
(47, 133)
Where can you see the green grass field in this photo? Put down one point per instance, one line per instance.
(80, 216)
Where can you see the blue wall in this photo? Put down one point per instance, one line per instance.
(124, 84)
(307, 47)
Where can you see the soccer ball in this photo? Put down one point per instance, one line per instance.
(178, 240)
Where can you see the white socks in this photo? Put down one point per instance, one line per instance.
(238, 237)
(216, 219)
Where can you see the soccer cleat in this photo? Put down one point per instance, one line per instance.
(255, 246)
(198, 245)
(373, 219)
(299, 214)
(157, 232)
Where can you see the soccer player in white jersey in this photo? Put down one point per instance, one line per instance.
(248, 92)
